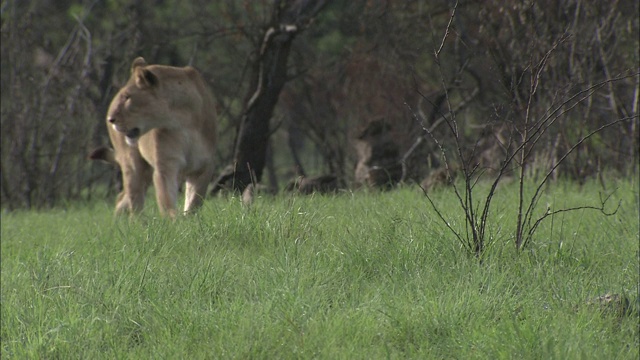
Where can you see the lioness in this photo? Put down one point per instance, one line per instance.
(162, 126)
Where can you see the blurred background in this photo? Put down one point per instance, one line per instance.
(503, 64)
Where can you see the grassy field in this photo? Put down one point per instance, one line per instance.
(354, 276)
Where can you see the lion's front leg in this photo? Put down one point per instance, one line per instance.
(166, 183)
(136, 178)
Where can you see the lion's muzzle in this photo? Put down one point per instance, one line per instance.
(131, 135)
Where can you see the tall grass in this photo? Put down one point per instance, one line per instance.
(353, 276)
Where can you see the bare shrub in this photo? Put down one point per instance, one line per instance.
(541, 113)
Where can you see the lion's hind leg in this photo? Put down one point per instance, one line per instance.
(196, 191)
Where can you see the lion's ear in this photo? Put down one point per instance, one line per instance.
(145, 78)
(138, 62)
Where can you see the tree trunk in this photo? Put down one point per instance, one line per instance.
(268, 76)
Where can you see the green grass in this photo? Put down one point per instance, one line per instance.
(354, 276)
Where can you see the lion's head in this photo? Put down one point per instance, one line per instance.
(136, 108)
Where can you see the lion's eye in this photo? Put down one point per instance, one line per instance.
(127, 100)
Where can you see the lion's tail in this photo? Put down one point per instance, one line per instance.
(105, 154)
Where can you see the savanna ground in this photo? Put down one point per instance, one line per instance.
(353, 276)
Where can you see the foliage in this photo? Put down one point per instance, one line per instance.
(518, 141)
(360, 61)
(356, 275)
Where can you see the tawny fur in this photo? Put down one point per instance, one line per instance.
(162, 125)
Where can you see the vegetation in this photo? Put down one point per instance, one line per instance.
(354, 275)
(496, 67)
(532, 105)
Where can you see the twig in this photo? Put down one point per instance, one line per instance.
(536, 196)
(446, 34)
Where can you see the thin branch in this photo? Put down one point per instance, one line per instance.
(446, 34)
(578, 97)
(536, 196)
(462, 241)
(601, 208)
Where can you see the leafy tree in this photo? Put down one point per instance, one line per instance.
(359, 61)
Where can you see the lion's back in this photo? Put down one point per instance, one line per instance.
(185, 89)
